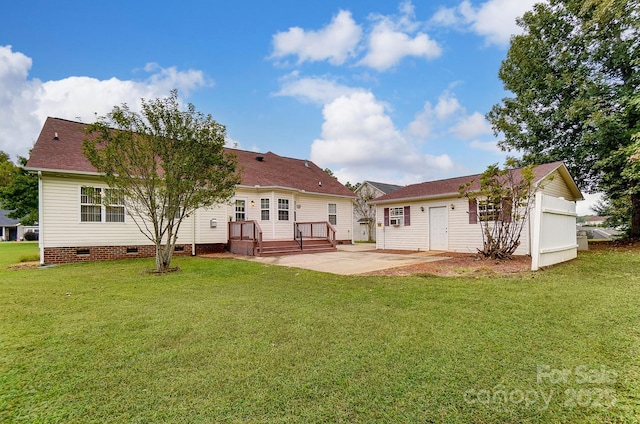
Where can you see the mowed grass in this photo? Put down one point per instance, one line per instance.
(227, 340)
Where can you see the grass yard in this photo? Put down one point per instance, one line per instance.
(226, 340)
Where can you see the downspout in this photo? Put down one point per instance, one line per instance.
(40, 219)
(193, 239)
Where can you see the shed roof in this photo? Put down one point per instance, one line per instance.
(59, 149)
(450, 187)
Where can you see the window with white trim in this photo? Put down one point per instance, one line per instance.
(488, 210)
(90, 204)
(114, 209)
(265, 211)
(283, 209)
(93, 208)
(333, 213)
(396, 216)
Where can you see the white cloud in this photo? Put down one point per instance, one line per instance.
(495, 20)
(471, 126)
(590, 200)
(315, 90)
(487, 146)
(392, 39)
(360, 136)
(335, 42)
(25, 103)
(430, 117)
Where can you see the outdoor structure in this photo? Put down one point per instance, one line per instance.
(433, 216)
(364, 215)
(10, 229)
(281, 205)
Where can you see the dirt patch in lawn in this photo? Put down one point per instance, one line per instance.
(458, 264)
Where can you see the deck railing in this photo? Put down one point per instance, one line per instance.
(322, 229)
(246, 230)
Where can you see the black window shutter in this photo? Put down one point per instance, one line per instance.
(407, 216)
(473, 211)
(386, 217)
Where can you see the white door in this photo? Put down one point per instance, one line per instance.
(438, 231)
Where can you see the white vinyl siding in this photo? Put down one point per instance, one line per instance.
(62, 214)
(555, 186)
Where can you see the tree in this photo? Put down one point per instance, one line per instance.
(363, 210)
(574, 75)
(19, 192)
(504, 201)
(352, 187)
(164, 163)
(7, 169)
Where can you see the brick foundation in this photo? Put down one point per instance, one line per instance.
(61, 255)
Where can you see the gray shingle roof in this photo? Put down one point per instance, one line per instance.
(5, 221)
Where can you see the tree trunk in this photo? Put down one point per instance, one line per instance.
(163, 257)
(635, 215)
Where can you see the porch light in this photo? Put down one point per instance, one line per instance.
(453, 206)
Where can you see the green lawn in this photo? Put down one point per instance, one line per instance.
(227, 340)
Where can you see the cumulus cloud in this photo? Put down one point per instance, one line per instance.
(495, 20)
(25, 103)
(358, 134)
(316, 90)
(394, 37)
(487, 146)
(471, 126)
(335, 42)
(439, 115)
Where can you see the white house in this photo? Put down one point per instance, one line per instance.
(433, 216)
(278, 199)
(364, 217)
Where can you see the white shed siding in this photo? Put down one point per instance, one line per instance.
(555, 186)
(61, 209)
(462, 236)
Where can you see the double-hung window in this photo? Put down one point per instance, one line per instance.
(488, 210)
(264, 210)
(333, 214)
(283, 209)
(114, 209)
(101, 205)
(90, 204)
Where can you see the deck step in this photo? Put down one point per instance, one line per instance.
(291, 247)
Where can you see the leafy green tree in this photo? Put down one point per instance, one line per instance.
(505, 199)
(165, 162)
(19, 192)
(7, 169)
(574, 74)
(352, 187)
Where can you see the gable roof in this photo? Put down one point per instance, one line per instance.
(450, 186)
(59, 149)
(5, 221)
(383, 187)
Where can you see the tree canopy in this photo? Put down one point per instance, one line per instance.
(165, 163)
(18, 190)
(574, 78)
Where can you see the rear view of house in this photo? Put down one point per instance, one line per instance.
(280, 198)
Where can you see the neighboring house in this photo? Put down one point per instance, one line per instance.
(595, 221)
(364, 213)
(433, 216)
(276, 196)
(10, 229)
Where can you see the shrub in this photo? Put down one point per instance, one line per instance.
(30, 236)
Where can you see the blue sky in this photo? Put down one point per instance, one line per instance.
(378, 90)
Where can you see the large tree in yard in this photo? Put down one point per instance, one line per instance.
(18, 190)
(574, 75)
(163, 163)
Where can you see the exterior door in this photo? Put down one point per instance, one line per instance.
(438, 229)
(241, 210)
